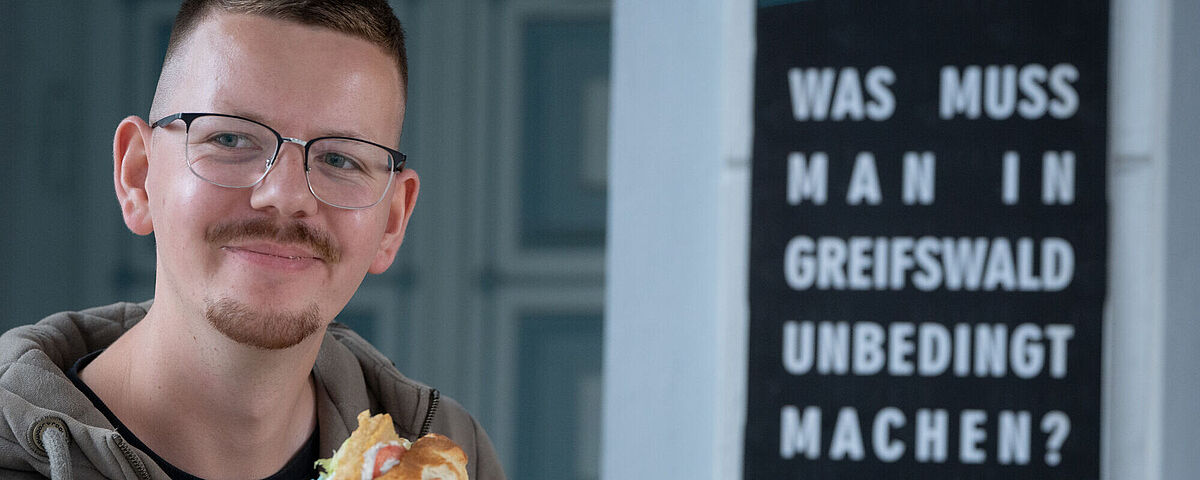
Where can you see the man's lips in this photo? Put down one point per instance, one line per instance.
(290, 252)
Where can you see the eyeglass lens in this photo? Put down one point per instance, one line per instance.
(233, 152)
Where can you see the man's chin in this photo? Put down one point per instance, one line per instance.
(268, 330)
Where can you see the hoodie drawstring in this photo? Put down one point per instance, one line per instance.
(60, 456)
(50, 436)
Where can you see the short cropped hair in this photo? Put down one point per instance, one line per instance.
(370, 20)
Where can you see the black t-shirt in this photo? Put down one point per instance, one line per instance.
(300, 467)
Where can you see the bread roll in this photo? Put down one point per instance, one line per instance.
(432, 457)
(375, 452)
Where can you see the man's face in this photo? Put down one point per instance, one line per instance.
(227, 251)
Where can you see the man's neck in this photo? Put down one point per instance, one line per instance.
(210, 406)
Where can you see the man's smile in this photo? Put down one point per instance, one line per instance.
(274, 256)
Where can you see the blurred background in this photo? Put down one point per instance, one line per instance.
(496, 297)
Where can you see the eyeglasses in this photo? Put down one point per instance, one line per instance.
(236, 152)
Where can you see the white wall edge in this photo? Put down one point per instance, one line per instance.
(662, 340)
(1132, 411)
(733, 227)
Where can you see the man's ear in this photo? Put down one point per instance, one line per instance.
(403, 199)
(130, 167)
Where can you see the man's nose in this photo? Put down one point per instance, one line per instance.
(285, 187)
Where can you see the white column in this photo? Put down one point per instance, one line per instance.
(1132, 413)
(678, 218)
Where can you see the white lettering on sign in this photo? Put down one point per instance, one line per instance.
(1058, 178)
(918, 178)
(1000, 91)
(864, 181)
(807, 178)
(820, 94)
(801, 435)
(928, 263)
(866, 348)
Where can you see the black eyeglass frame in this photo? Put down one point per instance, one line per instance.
(398, 159)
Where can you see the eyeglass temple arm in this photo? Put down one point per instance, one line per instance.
(186, 117)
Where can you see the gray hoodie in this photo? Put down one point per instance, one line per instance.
(48, 428)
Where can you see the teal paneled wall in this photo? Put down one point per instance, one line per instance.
(560, 396)
(563, 192)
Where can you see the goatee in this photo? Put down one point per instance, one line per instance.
(265, 330)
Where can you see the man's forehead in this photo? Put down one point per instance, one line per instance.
(279, 72)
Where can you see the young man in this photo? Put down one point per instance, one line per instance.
(270, 180)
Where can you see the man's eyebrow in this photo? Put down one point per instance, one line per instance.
(323, 133)
(343, 133)
(245, 114)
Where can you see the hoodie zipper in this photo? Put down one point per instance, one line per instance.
(135, 462)
(433, 406)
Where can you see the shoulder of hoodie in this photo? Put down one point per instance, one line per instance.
(66, 335)
(382, 370)
(390, 387)
(451, 420)
(34, 386)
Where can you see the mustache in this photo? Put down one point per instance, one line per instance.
(300, 233)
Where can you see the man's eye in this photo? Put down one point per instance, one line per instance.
(232, 140)
(339, 161)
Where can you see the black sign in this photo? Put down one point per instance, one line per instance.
(928, 243)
